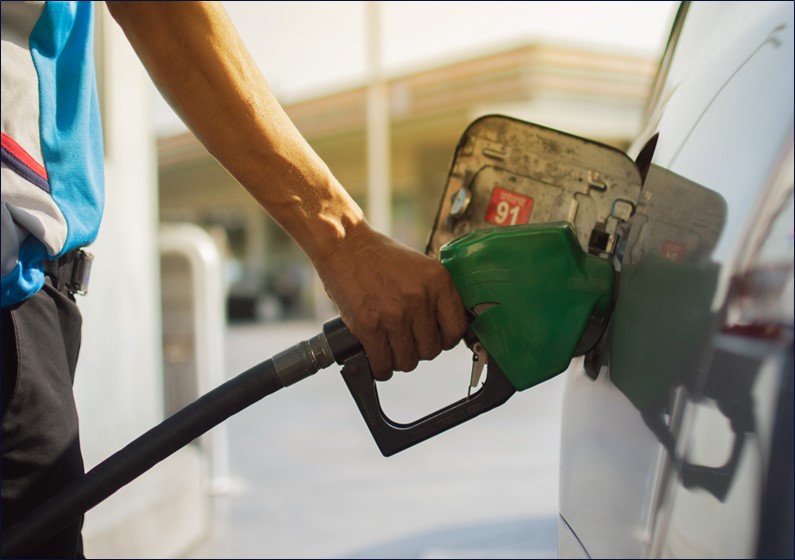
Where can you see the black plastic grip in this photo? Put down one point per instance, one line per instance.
(393, 437)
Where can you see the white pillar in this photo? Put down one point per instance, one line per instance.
(379, 188)
(206, 267)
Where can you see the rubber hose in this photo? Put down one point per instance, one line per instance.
(140, 455)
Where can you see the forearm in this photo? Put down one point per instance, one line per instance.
(400, 304)
(199, 63)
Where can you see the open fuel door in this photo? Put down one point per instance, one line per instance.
(509, 172)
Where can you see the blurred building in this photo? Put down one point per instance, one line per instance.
(598, 95)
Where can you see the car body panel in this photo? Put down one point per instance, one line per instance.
(668, 424)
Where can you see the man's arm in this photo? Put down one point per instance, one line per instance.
(399, 303)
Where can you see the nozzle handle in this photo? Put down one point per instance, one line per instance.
(393, 437)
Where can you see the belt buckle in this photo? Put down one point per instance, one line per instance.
(81, 272)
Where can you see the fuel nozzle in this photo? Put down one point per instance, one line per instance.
(530, 293)
(534, 295)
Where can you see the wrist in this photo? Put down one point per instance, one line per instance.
(353, 243)
(327, 223)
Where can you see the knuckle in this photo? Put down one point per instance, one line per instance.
(441, 277)
(409, 364)
(380, 368)
(369, 320)
(429, 352)
(414, 298)
(393, 320)
(449, 340)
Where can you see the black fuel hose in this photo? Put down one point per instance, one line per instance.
(175, 432)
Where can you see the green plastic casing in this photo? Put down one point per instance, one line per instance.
(544, 288)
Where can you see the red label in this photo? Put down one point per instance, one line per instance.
(508, 208)
(672, 251)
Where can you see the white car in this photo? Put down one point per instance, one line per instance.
(677, 436)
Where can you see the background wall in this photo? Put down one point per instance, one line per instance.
(119, 375)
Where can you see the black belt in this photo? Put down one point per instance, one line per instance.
(70, 272)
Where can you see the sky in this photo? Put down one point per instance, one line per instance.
(306, 49)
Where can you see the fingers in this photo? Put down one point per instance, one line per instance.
(418, 329)
(401, 347)
(379, 354)
(427, 337)
(450, 315)
(367, 327)
(404, 349)
(389, 348)
(399, 344)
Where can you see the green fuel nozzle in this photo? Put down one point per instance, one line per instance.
(535, 296)
(535, 300)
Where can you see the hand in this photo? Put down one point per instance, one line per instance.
(400, 304)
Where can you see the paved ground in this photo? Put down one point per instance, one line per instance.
(309, 481)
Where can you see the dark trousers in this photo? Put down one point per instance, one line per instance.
(40, 443)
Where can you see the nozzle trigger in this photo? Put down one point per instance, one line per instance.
(479, 360)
